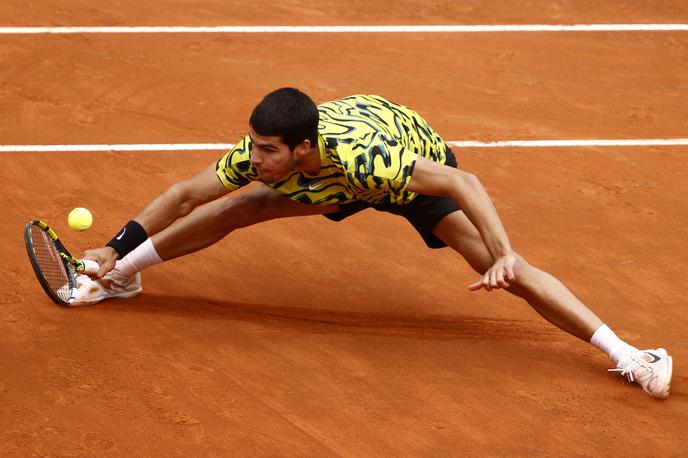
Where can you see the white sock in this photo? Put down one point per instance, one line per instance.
(138, 259)
(605, 339)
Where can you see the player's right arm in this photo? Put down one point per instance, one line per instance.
(177, 201)
(180, 199)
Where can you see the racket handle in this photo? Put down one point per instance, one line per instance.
(90, 267)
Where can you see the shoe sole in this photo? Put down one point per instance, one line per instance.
(124, 295)
(670, 363)
(670, 369)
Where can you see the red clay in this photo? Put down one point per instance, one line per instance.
(291, 338)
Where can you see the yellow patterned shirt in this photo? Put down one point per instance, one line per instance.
(368, 148)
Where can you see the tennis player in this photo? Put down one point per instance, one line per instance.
(337, 159)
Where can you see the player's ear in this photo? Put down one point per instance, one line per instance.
(302, 148)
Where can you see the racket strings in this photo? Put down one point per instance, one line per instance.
(50, 262)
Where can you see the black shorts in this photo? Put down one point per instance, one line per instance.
(423, 212)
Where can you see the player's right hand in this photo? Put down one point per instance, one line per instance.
(105, 256)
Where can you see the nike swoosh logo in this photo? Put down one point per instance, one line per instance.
(119, 237)
(655, 358)
(314, 186)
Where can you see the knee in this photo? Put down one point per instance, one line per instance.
(235, 210)
(523, 276)
(242, 209)
(521, 267)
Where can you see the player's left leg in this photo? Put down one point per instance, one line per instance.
(547, 295)
(556, 303)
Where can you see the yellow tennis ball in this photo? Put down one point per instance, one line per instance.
(80, 219)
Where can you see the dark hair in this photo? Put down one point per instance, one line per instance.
(289, 114)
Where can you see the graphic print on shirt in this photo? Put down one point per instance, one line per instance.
(368, 147)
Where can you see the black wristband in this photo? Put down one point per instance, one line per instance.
(131, 236)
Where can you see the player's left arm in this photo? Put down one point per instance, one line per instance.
(431, 178)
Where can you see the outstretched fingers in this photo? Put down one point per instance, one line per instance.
(500, 275)
(478, 285)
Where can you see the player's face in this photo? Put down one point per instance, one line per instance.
(271, 158)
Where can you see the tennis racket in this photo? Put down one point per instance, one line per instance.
(54, 266)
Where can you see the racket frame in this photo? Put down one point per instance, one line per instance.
(71, 265)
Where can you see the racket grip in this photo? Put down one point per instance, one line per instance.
(90, 267)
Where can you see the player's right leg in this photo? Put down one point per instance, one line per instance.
(203, 227)
(213, 221)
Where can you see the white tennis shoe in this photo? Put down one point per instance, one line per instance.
(112, 285)
(650, 369)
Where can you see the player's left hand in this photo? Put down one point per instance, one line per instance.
(500, 275)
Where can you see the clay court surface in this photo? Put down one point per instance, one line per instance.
(304, 337)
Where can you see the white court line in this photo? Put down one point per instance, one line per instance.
(569, 143)
(354, 29)
(458, 144)
(116, 147)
